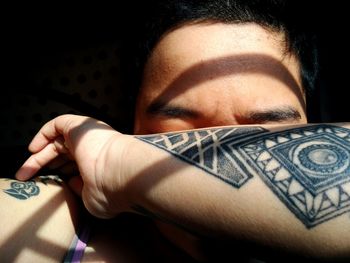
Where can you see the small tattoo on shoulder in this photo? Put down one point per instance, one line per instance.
(23, 190)
(26, 190)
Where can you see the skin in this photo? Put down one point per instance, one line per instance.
(40, 228)
(199, 61)
(90, 142)
(238, 67)
(199, 75)
(226, 73)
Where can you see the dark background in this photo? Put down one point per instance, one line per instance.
(31, 35)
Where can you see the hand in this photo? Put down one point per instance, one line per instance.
(85, 141)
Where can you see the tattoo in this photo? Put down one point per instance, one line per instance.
(210, 150)
(307, 168)
(55, 178)
(23, 190)
(26, 190)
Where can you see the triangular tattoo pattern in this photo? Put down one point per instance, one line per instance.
(207, 149)
(307, 168)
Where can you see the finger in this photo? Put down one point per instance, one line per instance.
(62, 159)
(51, 130)
(58, 162)
(40, 159)
(42, 138)
(76, 184)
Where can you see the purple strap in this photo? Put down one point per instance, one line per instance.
(81, 245)
(78, 245)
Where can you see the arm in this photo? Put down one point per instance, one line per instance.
(38, 220)
(275, 186)
(285, 187)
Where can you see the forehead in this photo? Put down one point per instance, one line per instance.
(213, 50)
(212, 39)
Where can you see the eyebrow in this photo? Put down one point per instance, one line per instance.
(280, 114)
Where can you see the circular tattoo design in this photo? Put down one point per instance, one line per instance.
(27, 188)
(321, 159)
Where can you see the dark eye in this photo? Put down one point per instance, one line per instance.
(171, 111)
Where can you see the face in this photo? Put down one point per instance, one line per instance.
(214, 74)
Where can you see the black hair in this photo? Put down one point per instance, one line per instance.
(278, 15)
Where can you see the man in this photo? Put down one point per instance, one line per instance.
(278, 183)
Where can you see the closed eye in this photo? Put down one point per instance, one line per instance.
(172, 111)
(279, 114)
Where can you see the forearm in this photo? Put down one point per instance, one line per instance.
(279, 187)
(38, 220)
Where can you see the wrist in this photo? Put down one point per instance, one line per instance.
(112, 168)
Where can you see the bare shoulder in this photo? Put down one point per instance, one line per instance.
(39, 219)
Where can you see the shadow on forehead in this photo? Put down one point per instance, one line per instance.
(230, 65)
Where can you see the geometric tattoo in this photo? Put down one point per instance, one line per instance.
(52, 178)
(308, 168)
(208, 149)
(23, 190)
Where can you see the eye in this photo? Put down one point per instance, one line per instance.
(171, 111)
(159, 125)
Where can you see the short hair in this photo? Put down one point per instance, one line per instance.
(277, 15)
